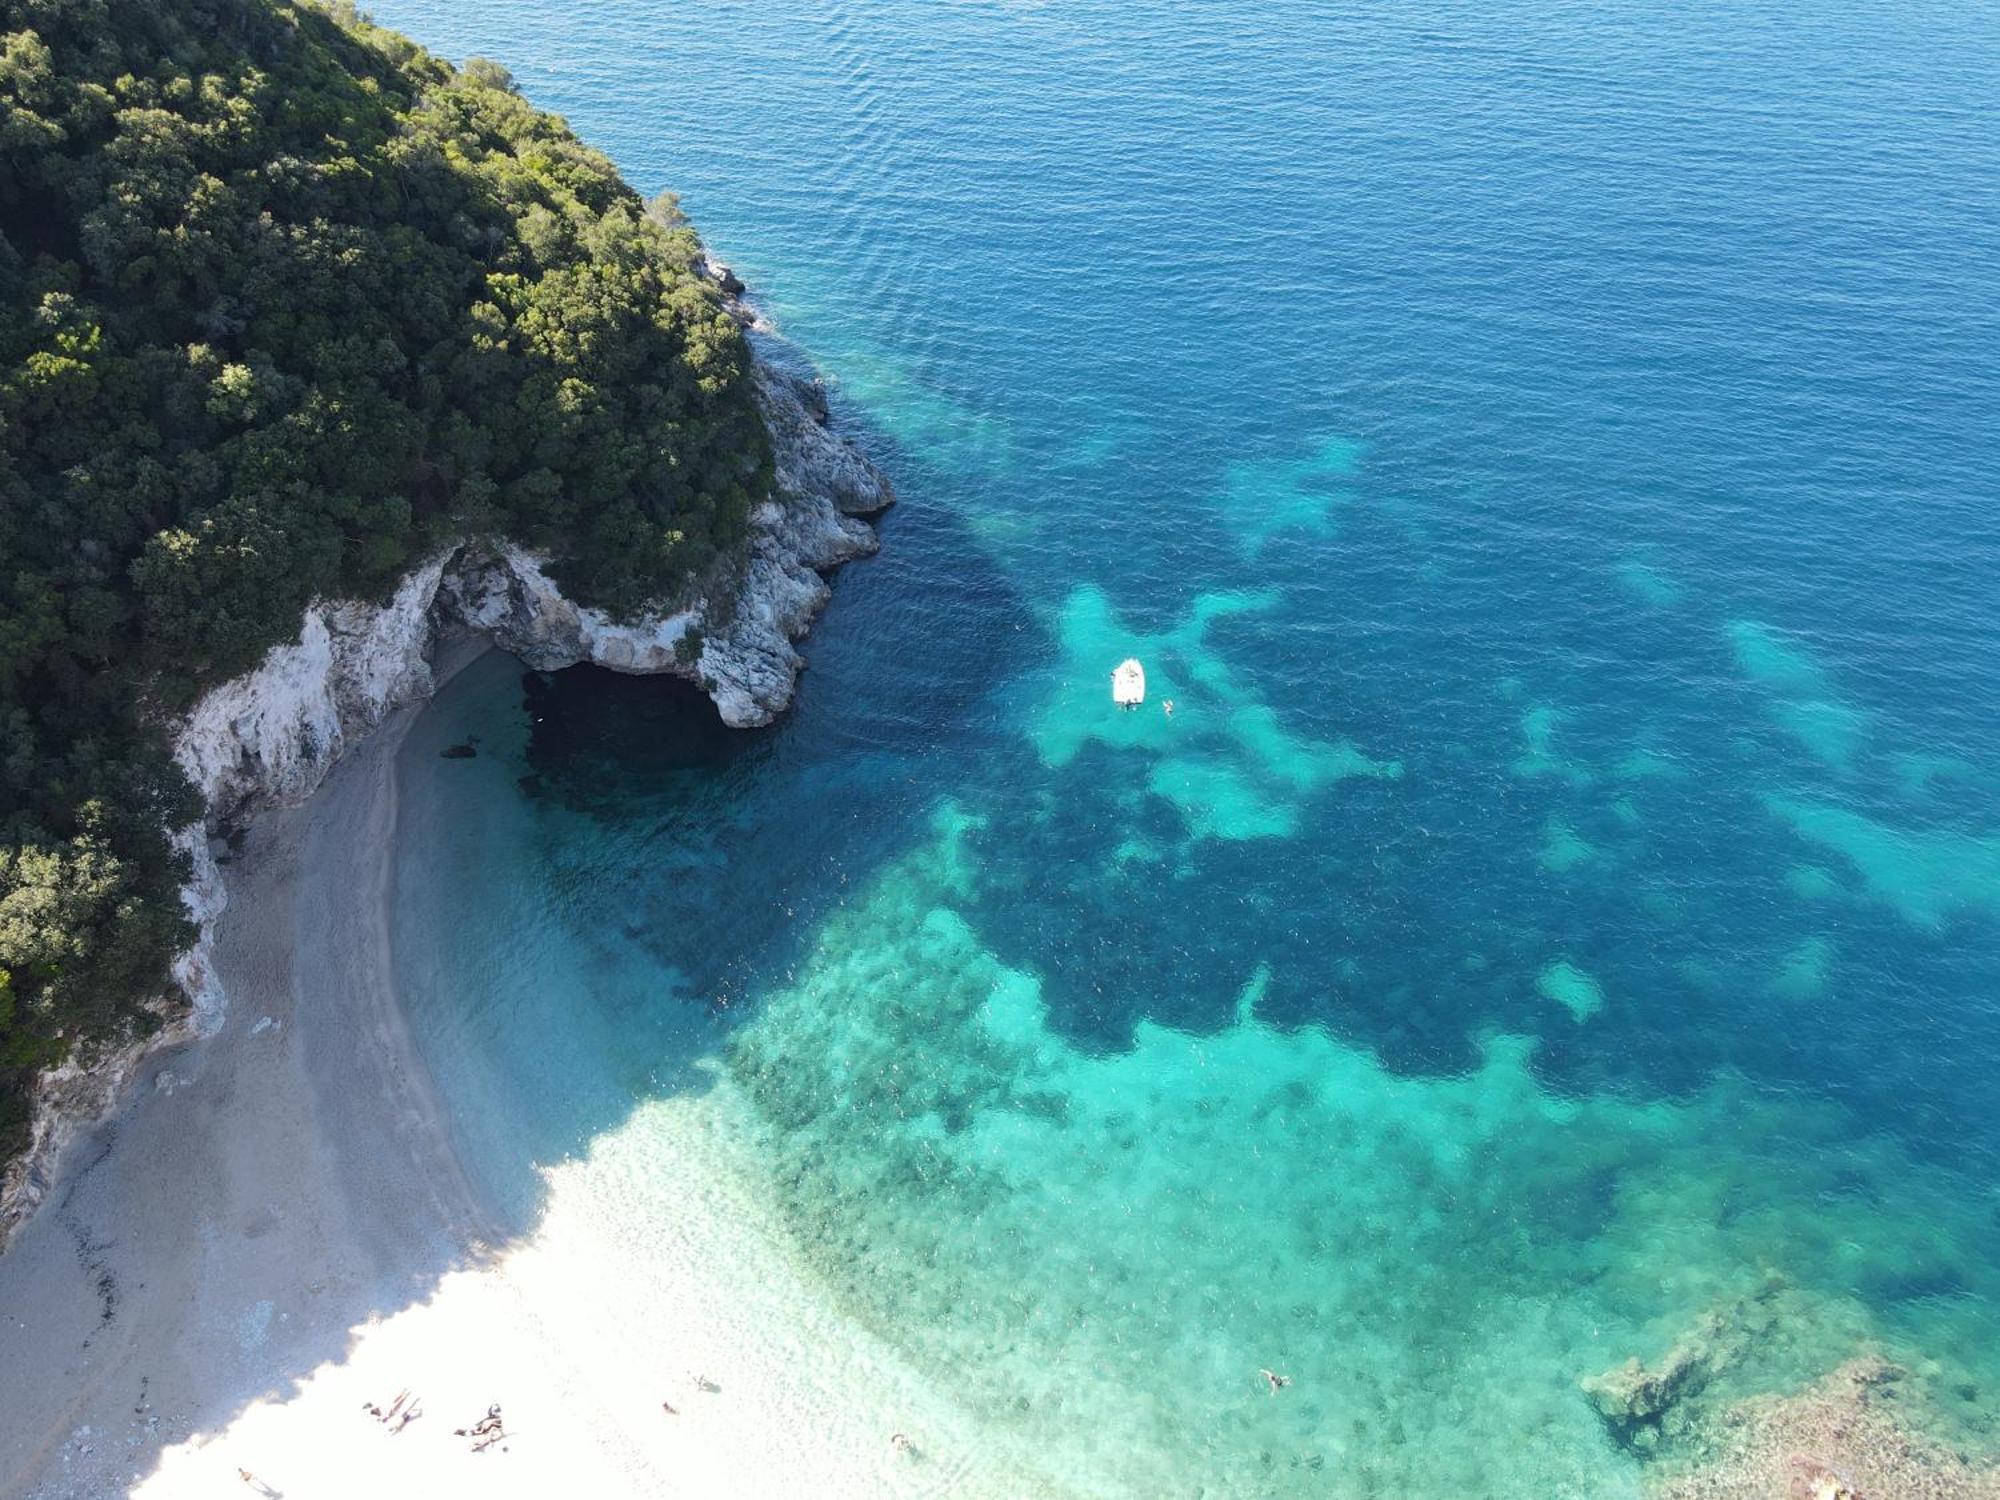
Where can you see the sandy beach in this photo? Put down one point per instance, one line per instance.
(274, 1234)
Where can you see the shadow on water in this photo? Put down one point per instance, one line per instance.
(581, 907)
(590, 904)
(1405, 916)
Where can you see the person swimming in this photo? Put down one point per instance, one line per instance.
(1276, 1381)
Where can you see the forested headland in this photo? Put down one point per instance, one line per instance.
(285, 303)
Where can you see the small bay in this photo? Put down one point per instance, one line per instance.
(1547, 458)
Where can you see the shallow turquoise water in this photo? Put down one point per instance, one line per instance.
(1548, 459)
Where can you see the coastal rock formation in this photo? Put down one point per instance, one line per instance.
(271, 734)
(1846, 1438)
(735, 641)
(269, 737)
(722, 276)
(1642, 1404)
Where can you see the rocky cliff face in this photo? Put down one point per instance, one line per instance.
(738, 647)
(269, 737)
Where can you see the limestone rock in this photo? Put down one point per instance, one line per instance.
(270, 735)
(1858, 1434)
(722, 276)
(813, 459)
(1643, 1404)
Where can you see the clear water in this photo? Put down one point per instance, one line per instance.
(1549, 458)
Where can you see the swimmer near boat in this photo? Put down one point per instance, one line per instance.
(1128, 683)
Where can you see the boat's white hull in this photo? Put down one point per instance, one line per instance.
(1128, 684)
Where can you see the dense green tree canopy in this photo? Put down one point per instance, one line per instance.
(284, 303)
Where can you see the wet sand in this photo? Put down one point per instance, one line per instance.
(234, 1257)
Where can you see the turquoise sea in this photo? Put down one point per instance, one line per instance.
(1549, 454)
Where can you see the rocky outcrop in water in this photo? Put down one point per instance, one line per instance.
(1635, 1399)
(1856, 1435)
(1642, 1405)
(269, 737)
(1864, 1432)
(735, 641)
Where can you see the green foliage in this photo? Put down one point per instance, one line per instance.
(284, 303)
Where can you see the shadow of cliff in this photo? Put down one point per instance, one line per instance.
(662, 871)
(179, 1275)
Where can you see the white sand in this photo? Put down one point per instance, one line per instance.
(276, 1231)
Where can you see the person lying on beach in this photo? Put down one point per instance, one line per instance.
(490, 1423)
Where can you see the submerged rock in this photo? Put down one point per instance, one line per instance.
(1858, 1434)
(1634, 1400)
(1641, 1404)
(1853, 1436)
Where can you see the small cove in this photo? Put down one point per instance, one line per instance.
(1563, 901)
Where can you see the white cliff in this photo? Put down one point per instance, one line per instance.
(269, 737)
(736, 643)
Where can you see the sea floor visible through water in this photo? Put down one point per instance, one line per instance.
(1097, 1248)
(1544, 456)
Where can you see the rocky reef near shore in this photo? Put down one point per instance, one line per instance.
(1644, 1406)
(1848, 1437)
(1861, 1432)
(269, 737)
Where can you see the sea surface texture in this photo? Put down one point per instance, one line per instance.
(1549, 456)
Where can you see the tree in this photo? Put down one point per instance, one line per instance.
(284, 302)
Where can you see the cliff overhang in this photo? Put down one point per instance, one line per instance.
(269, 737)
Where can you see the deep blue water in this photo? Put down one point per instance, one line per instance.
(1549, 456)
